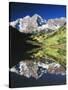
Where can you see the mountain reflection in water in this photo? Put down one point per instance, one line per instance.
(36, 69)
(32, 73)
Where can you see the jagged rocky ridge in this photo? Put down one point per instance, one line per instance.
(36, 69)
(36, 23)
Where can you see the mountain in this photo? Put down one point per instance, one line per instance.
(34, 56)
(36, 23)
(56, 23)
(28, 24)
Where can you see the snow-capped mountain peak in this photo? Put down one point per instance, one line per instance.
(29, 24)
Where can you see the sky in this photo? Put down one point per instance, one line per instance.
(46, 11)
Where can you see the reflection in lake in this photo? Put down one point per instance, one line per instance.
(37, 59)
(35, 73)
(37, 69)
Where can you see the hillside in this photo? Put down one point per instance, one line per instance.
(53, 45)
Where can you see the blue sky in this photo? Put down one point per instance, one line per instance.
(19, 10)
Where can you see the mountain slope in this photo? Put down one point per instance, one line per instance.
(53, 45)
